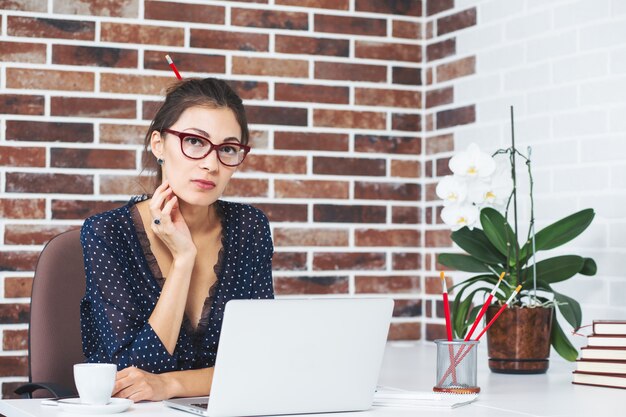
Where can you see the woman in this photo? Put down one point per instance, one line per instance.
(161, 269)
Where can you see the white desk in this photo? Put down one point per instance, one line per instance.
(413, 367)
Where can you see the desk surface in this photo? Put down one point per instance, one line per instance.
(413, 367)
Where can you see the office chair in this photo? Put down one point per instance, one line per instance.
(54, 340)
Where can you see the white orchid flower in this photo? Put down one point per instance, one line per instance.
(452, 190)
(478, 192)
(501, 189)
(495, 191)
(472, 163)
(458, 216)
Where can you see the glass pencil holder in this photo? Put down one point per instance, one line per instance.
(456, 367)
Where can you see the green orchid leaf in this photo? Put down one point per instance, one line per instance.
(590, 267)
(458, 320)
(457, 323)
(462, 262)
(457, 327)
(470, 319)
(476, 244)
(555, 269)
(498, 231)
(560, 232)
(561, 343)
(571, 309)
(460, 315)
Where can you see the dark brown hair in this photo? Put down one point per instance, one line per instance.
(190, 92)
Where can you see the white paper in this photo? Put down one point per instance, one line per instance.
(419, 399)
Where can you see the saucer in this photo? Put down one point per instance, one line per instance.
(73, 405)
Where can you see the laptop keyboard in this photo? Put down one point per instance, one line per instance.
(201, 405)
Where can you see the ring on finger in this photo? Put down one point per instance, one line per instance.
(157, 221)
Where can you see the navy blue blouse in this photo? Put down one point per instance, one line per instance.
(124, 283)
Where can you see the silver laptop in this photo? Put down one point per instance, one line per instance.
(296, 356)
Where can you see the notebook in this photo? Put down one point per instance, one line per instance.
(293, 356)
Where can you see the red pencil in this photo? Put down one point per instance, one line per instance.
(446, 306)
(517, 290)
(484, 308)
(173, 67)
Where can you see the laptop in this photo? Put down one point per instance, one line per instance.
(295, 356)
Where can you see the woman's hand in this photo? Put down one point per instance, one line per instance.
(172, 229)
(138, 385)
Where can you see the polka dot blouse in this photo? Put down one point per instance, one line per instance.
(124, 284)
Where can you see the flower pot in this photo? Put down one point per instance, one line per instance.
(519, 340)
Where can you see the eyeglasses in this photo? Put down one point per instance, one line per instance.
(194, 146)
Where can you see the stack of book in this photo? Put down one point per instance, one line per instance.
(603, 360)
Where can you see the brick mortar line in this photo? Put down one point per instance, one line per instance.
(135, 72)
(295, 177)
(14, 326)
(96, 185)
(261, 103)
(48, 209)
(351, 228)
(378, 273)
(348, 227)
(185, 49)
(226, 29)
(406, 319)
(436, 39)
(41, 222)
(74, 171)
(421, 158)
(257, 152)
(254, 200)
(276, 56)
(16, 274)
(7, 353)
(20, 300)
(271, 43)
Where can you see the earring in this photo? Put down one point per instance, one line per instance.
(160, 161)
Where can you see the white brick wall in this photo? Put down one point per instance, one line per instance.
(561, 63)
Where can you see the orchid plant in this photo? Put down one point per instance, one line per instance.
(480, 193)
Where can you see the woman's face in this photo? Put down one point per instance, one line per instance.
(197, 181)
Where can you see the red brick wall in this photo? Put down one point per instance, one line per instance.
(441, 113)
(351, 106)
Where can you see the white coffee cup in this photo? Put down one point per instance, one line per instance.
(94, 382)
